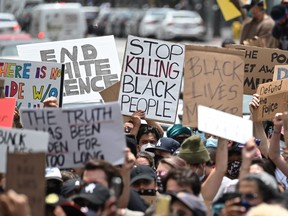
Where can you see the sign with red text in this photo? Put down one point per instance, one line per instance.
(7, 107)
(31, 82)
(26, 175)
(280, 72)
(273, 98)
(151, 78)
(213, 77)
(21, 141)
(79, 134)
(91, 65)
(224, 125)
(259, 65)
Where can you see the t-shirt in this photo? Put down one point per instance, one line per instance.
(263, 29)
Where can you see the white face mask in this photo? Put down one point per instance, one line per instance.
(145, 146)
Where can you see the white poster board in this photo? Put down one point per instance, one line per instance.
(224, 125)
(91, 64)
(151, 78)
(79, 134)
(32, 82)
(19, 140)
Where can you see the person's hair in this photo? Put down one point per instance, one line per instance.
(147, 156)
(68, 174)
(146, 129)
(174, 161)
(184, 177)
(267, 165)
(268, 193)
(109, 170)
(227, 41)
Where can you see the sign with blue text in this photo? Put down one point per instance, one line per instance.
(91, 65)
(79, 134)
(151, 78)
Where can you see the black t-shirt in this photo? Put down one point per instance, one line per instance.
(136, 203)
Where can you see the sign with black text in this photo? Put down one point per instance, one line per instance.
(32, 82)
(21, 141)
(80, 134)
(151, 78)
(91, 64)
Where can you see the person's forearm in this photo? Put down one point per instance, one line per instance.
(259, 133)
(157, 125)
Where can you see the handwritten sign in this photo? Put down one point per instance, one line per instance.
(151, 78)
(26, 175)
(280, 72)
(224, 125)
(7, 107)
(91, 64)
(80, 134)
(259, 65)
(213, 77)
(228, 9)
(21, 141)
(273, 98)
(31, 82)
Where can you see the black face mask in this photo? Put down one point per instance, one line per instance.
(157, 158)
(149, 192)
(233, 169)
(160, 187)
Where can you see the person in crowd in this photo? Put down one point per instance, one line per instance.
(257, 24)
(147, 136)
(279, 14)
(196, 155)
(165, 147)
(144, 158)
(226, 42)
(143, 180)
(187, 204)
(178, 132)
(54, 180)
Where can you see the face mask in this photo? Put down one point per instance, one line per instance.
(145, 146)
(159, 183)
(201, 178)
(233, 169)
(157, 158)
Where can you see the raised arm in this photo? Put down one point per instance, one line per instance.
(210, 187)
(274, 150)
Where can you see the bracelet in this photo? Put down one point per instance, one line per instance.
(276, 131)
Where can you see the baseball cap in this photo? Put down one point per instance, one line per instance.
(95, 194)
(53, 173)
(253, 3)
(266, 178)
(194, 203)
(165, 144)
(142, 172)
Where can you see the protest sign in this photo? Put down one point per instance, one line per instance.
(2, 88)
(259, 65)
(228, 9)
(26, 175)
(32, 82)
(79, 134)
(20, 141)
(273, 98)
(280, 72)
(213, 77)
(7, 107)
(91, 64)
(224, 125)
(111, 93)
(151, 78)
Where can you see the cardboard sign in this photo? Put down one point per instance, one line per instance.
(26, 175)
(2, 95)
(259, 65)
(111, 93)
(80, 134)
(151, 78)
(91, 65)
(213, 77)
(224, 125)
(21, 141)
(280, 72)
(273, 98)
(151, 200)
(228, 9)
(7, 107)
(32, 82)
